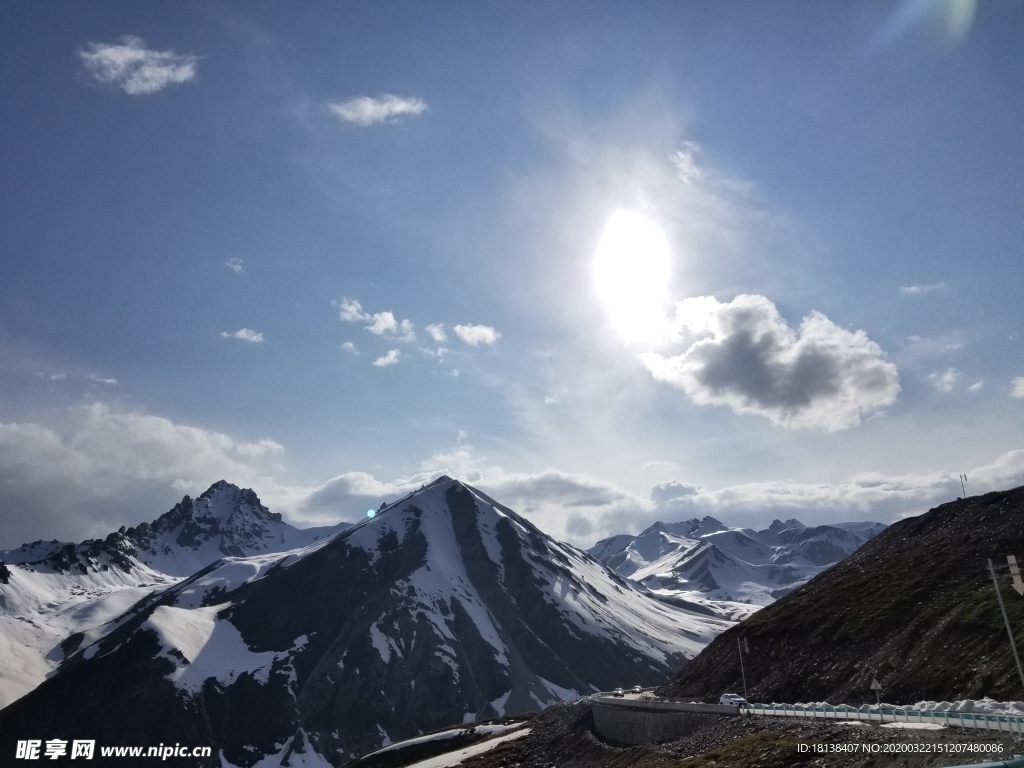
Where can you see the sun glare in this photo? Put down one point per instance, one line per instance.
(631, 270)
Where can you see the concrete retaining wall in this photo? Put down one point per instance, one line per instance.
(619, 725)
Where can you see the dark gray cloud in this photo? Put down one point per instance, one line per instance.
(743, 354)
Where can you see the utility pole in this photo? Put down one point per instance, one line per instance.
(739, 648)
(1009, 631)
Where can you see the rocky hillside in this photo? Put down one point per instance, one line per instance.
(914, 608)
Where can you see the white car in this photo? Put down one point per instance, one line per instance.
(732, 700)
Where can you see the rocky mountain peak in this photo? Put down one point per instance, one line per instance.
(709, 525)
(778, 526)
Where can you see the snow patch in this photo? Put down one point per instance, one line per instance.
(211, 647)
(454, 758)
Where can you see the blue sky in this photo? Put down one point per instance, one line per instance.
(329, 251)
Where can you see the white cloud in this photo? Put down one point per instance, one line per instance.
(912, 290)
(582, 509)
(875, 496)
(945, 381)
(364, 110)
(349, 347)
(101, 380)
(235, 265)
(743, 354)
(135, 69)
(475, 335)
(1018, 387)
(381, 323)
(391, 358)
(351, 311)
(244, 334)
(976, 386)
(436, 331)
(385, 324)
(101, 469)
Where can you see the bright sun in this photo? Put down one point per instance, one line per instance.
(631, 272)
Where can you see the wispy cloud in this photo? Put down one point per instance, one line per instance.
(244, 334)
(235, 265)
(976, 386)
(349, 347)
(365, 110)
(742, 354)
(135, 69)
(391, 358)
(1018, 387)
(956, 18)
(945, 381)
(914, 290)
(101, 380)
(436, 331)
(475, 335)
(685, 161)
(350, 310)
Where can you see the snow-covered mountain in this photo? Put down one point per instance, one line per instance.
(705, 562)
(444, 608)
(224, 521)
(50, 590)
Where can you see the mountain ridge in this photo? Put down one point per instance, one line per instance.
(444, 607)
(703, 561)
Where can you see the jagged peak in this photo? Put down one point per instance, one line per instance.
(218, 487)
(710, 525)
(656, 527)
(778, 526)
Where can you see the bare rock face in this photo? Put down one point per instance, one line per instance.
(914, 608)
(444, 608)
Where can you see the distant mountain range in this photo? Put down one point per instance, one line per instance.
(444, 608)
(915, 608)
(731, 571)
